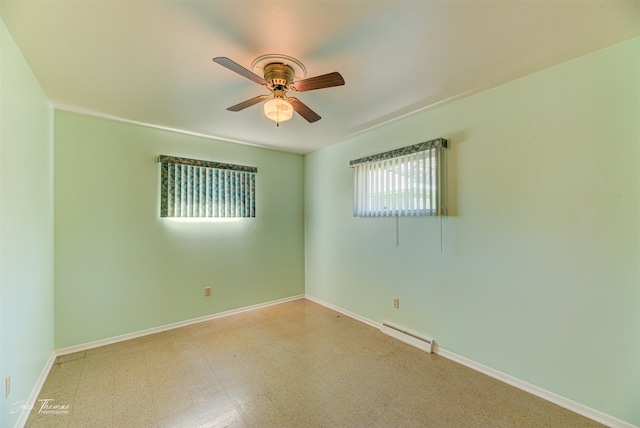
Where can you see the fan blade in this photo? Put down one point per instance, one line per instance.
(318, 82)
(304, 111)
(226, 62)
(243, 105)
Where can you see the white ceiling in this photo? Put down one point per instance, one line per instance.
(151, 62)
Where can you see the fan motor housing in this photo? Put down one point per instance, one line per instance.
(277, 74)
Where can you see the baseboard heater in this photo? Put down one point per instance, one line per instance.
(407, 337)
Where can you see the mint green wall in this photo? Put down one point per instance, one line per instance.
(120, 268)
(26, 227)
(539, 276)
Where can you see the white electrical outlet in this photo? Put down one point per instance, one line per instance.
(396, 302)
(7, 386)
(207, 291)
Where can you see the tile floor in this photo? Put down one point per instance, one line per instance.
(296, 364)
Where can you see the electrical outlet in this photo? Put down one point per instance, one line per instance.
(7, 386)
(207, 291)
(396, 302)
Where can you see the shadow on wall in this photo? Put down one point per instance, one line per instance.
(451, 185)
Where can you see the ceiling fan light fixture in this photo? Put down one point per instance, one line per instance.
(279, 78)
(278, 109)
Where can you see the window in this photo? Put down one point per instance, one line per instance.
(196, 188)
(403, 182)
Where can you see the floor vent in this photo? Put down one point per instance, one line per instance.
(409, 338)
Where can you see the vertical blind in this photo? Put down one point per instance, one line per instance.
(403, 182)
(196, 188)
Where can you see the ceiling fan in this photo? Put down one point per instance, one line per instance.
(281, 75)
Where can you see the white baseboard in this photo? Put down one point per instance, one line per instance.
(554, 398)
(520, 384)
(344, 311)
(35, 392)
(134, 335)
